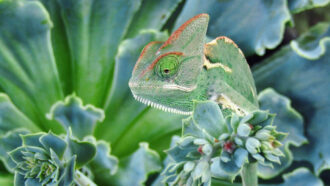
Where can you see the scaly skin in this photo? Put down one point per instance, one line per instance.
(170, 75)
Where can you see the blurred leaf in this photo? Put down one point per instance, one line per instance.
(11, 117)
(311, 45)
(6, 180)
(104, 162)
(307, 84)
(94, 29)
(71, 113)
(297, 6)
(301, 177)
(135, 169)
(28, 72)
(234, 19)
(287, 120)
(152, 15)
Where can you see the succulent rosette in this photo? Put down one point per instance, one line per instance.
(220, 146)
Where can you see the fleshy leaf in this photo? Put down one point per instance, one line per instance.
(8, 142)
(72, 114)
(28, 72)
(11, 117)
(103, 161)
(312, 44)
(84, 151)
(151, 15)
(209, 117)
(94, 29)
(301, 177)
(309, 93)
(51, 141)
(287, 120)
(138, 166)
(297, 6)
(268, 17)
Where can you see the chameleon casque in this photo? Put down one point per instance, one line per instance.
(170, 75)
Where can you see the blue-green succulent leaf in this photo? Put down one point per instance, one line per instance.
(287, 120)
(11, 117)
(8, 142)
(68, 177)
(32, 139)
(84, 151)
(312, 44)
(138, 166)
(103, 161)
(51, 141)
(309, 93)
(71, 113)
(218, 172)
(19, 179)
(268, 17)
(151, 15)
(301, 177)
(297, 6)
(208, 116)
(180, 151)
(240, 157)
(28, 72)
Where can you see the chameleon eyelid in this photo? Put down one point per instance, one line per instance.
(152, 65)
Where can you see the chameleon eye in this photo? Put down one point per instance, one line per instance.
(167, 66)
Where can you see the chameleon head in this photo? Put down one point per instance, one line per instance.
(166, 74)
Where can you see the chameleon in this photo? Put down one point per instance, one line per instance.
(170, 75)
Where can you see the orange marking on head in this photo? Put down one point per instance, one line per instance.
(144, 51)
(152, 65)
(177, 33)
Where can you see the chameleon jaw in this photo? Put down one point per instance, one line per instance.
(160, 107)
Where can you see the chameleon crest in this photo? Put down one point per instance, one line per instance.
(170, 75)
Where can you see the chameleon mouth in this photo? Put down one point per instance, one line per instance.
(160, 107)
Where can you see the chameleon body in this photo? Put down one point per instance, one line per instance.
(170, 75)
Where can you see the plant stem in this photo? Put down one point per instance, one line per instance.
(249, 174)
(83, 180)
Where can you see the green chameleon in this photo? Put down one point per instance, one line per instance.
(170, 75)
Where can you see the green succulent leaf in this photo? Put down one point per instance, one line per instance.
(71, 113)
(6, 179)
(268, 17)
(297, 6)
(300, 176)
(287, 120)
(27, 65)
(138, 166)
(11, 117)
(94, 30)
(308, 91)
(51, 141)
(151, 15)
